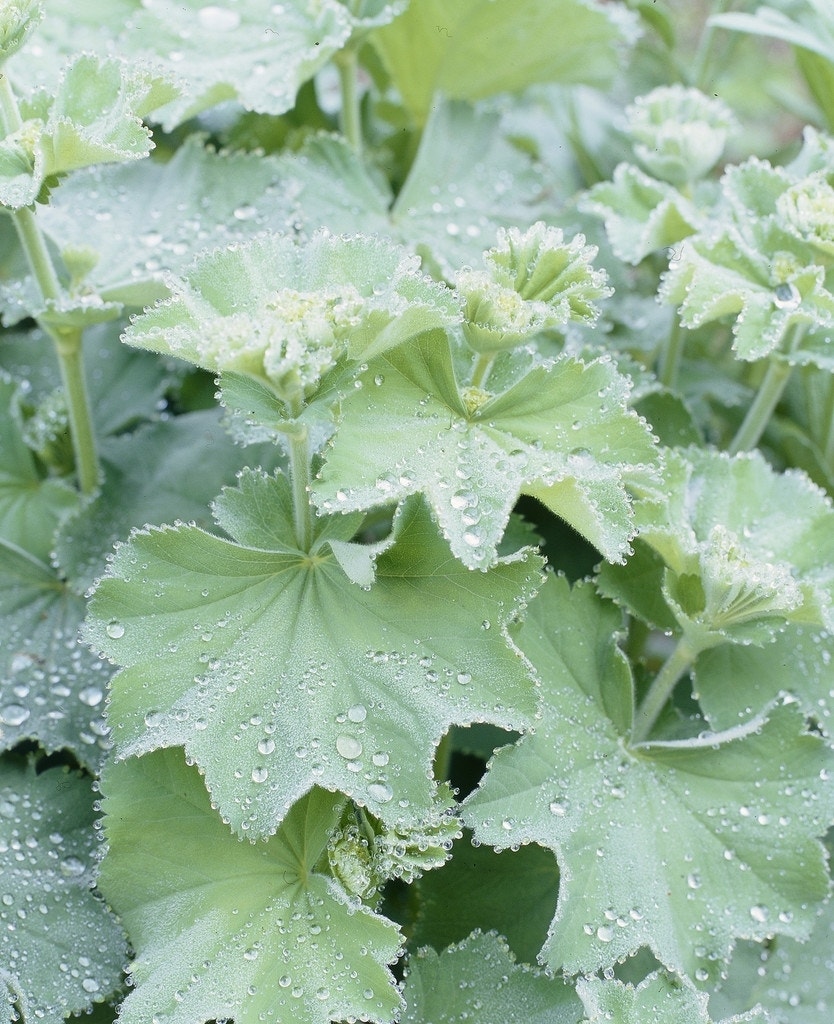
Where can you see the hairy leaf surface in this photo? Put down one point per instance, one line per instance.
(296, 676)
(678, 846)
(560, 432)
(62, 948)
(479, 979)
(224, 929)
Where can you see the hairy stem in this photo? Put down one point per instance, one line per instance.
(661, 689)
(671, 353)
(351, 121)
(758, 415)
(67, 340)
(828, 448)
(701, 61)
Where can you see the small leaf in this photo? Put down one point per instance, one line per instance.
(61, 946)
(269, 708)
(661, 998)
(228, 929)
(560, 431)
(678, 846)
(641, 215)
(478, 979)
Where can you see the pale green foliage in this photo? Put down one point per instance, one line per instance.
(661, 998)
(287, 943)
(359, 756)
(62, 949)
(720, 819)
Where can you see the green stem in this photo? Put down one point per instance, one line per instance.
(351, 120)
(70, 358)
(67, 340)
(661, 689)
(758, 415)
(482, 368)
(671, 354)
(299, 446)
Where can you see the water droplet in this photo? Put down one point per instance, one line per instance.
(91, 696)
(285, 981)
(218, 19)
(266, 745)
(605, 933)
(381, 792)
(464, 678)
(90, 985)
(153, 719)
(14, 714)
(245, 212)
(259, 774)
(348, 746)
(380, 759)
(357, 713)
(559, 808)
(115, 630)
(760, 914)
(786, 296)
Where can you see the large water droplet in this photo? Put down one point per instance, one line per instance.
(115, 630)
(348, 746)
(259, 774)
(357, 713)
(381, 792)
(14, 714)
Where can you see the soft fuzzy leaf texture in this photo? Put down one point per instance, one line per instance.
(746, 549)
(727, 821)
(228, 929)
(479, 979)
(660, 998)
(298, 677)
(559, 431)
(61, 949)
(294, 309)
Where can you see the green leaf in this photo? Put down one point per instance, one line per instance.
(519, 912)
(735, 682)
(228, 929)
(269, 707)
(661, 998)
(93, 117)
(478, 979)
(678, 846)
(813, 31)
(51, 688)
(31, 504)
(61, 946)
(760, 545)
(793, 981)
(149, 478)
(472, 49)
(560, 432)
(641, 215)
(285, 313)
(259, 54)
(151, 217)
(466, 181)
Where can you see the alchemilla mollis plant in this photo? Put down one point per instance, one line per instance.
(416, 523)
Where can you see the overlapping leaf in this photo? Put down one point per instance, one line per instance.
(224, 929)
(478, 979)
(560, 432)
(472, 49)
(62, 949)
(151, 217)
(466, 181)
(93, 118)
(678, 846)
(793, 981)
(285, 313)
(296, 676)
(660, 998)
(746, 549)
(641, 214)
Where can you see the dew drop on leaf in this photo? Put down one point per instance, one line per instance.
(218, 19)
(115, 630)
(259, 774)
(13, 714)
(348, 746)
